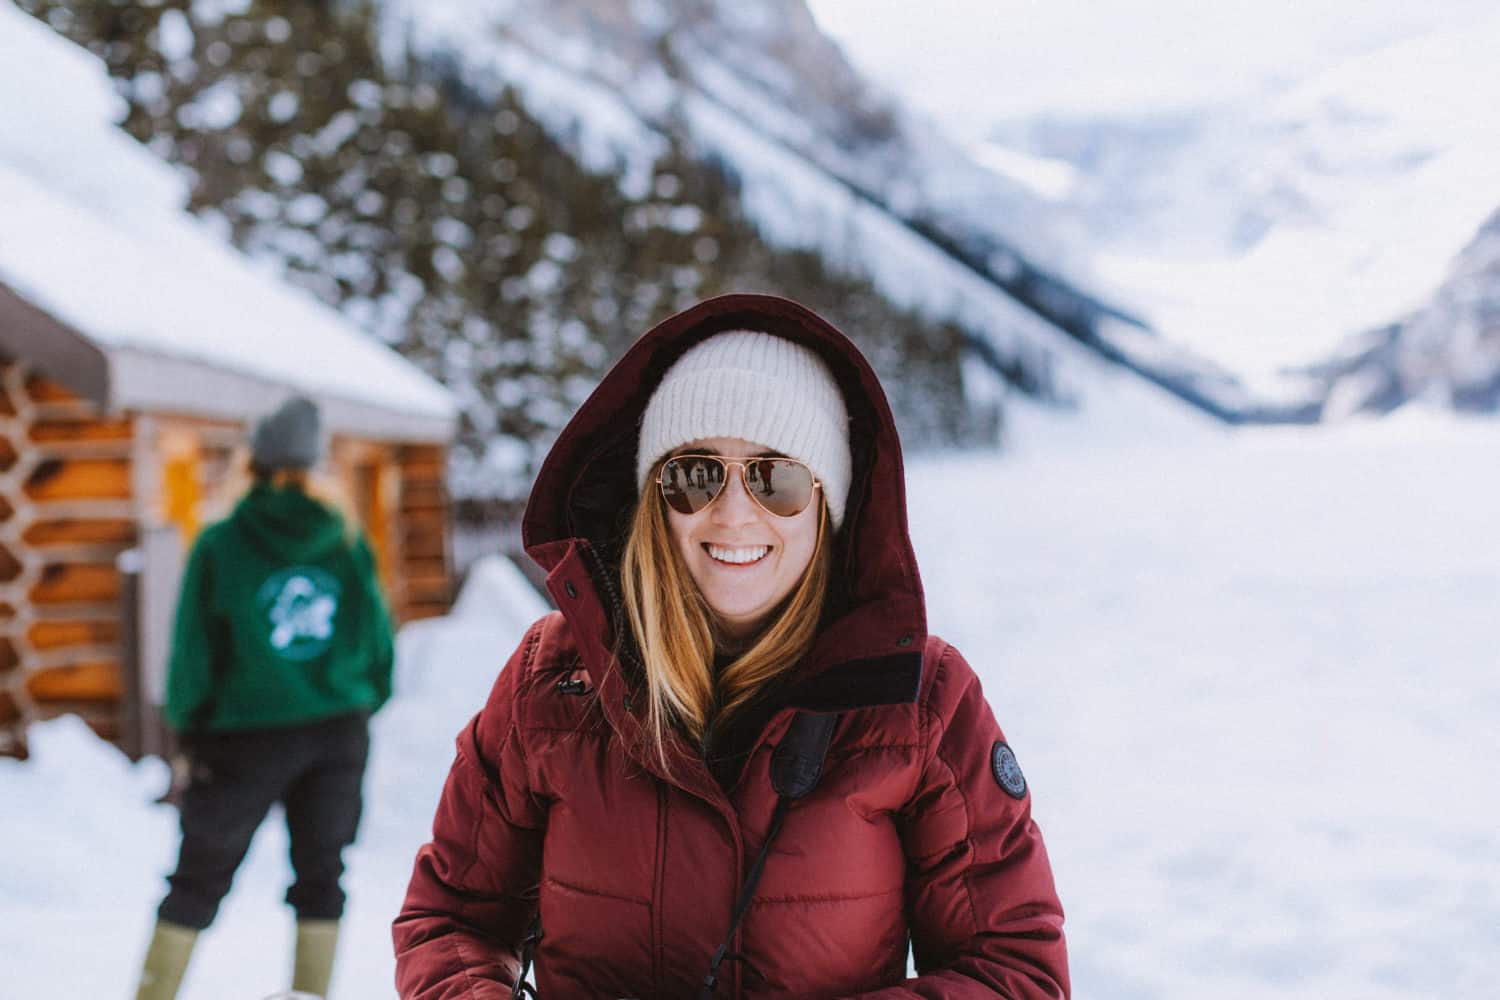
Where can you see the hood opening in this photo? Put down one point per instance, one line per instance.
(586, 487)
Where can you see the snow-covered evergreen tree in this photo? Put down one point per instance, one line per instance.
(449, 223)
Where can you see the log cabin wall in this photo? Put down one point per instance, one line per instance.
(424, 579)
(66, 513)
(366, 477)
(397, 492)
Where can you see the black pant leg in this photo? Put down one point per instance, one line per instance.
(323, 807)
(236, 777)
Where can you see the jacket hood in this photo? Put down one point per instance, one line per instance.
(580, 507)
(287, 523)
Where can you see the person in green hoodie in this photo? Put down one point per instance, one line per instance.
(281, 652)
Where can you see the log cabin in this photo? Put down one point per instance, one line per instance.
(136, 351)
(104, 483)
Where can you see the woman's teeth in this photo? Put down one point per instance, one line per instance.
(740, 557)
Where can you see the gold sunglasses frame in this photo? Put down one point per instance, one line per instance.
(729, 463)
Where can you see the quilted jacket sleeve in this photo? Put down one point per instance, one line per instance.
(473, 890)
(985, 918)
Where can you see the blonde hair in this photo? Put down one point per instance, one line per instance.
(677, 632)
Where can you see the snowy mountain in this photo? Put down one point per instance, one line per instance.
(1263, 233)
(1446, 353)
(824, 160)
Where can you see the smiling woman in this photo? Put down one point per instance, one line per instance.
(743, 547)
(741, 660)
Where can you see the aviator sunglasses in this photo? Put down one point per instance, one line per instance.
(782, 486)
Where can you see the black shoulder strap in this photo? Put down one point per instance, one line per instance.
(798, 762)
(796, 767)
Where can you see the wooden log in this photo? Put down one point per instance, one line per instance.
(10, 712)
(425, 534)
(6, 510)
(423, 472)
(433, 520)
(63, 584)
(424, 545)
(423, 496)
(425, 567)
(47, 431)
(427, 590)
(371, 499)
(9, 658)
(90, 681)
(416, 454)
(44, 390)
(10, 566)
(8, 454)
(417, 610)
(76, 612)
(101, 717)
(81, 531)
(54, 635)
(79, 479)
(7, 408)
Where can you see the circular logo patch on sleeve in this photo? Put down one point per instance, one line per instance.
(1007, 772)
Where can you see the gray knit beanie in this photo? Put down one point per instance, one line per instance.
(290, 438)
(756, 386)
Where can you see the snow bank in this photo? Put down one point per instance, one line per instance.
(86, 850)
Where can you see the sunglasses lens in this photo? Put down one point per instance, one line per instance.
(780, 485)
(690, 483)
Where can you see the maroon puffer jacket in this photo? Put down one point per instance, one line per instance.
(920, 829)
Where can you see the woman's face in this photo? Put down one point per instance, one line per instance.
(743, 558)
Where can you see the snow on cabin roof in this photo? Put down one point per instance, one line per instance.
(93, 234)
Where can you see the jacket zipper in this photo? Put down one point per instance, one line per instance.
(627, 651)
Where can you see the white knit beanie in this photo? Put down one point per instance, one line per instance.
(756, 386)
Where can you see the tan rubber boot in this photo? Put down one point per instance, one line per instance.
(166, 960)
(316, 943)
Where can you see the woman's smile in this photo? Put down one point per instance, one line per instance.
(744, 559)
(737, 556)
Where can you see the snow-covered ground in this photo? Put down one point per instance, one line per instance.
(1250, 677)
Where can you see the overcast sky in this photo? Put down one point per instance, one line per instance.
(969, 61)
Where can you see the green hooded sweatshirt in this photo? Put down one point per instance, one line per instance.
(280, 620)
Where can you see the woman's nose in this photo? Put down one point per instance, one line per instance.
(734, 504)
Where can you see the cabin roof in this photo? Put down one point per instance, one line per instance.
(109, 285)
